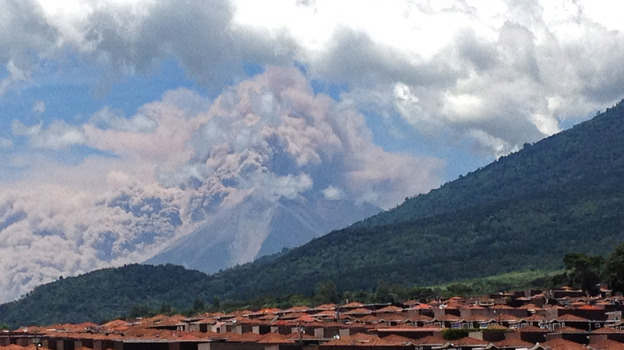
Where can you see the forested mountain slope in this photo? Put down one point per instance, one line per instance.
(591, 152)
(526, 210)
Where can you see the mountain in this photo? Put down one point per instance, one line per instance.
(524, 211)
(256, 228)
(105, 294)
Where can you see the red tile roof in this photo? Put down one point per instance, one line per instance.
(513, 343)
(352, 305)
(395, 338)
(362, 339)
(369, 319)
(274, 338)
(478, 318)
(448, 318)
(562, 344)
(590, 307)
(529, 307)
(248, 337)
(430, 340)
(571, 318)
(606, 345)
(469, 341)
(296, 336)
(533, 329)
(607, 330)
(569, 330)
(358, 311)
(325, 307)
(419, 318)
(535, 318)
(299, 308)
(389, 309)
(19, 347)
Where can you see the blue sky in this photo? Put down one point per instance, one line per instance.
(203, 104)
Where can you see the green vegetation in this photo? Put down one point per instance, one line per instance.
(614, 269)
(131, 290)
(523, 212)
(588, 272)
(455, 334)
(533, 279)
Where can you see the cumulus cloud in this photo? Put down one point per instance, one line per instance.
(25, 37)
(108, 119)
(503, 71)
(332, 193)
(461, 65)
(58, 135)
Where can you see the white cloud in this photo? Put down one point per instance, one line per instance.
(39, 107)
(58, 135)
(108, 119)
(441, 51)
(332, 193)
(6, 143)
(462, 66)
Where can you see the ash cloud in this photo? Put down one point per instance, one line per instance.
(272, 137)
(52, 231)
(181, 162)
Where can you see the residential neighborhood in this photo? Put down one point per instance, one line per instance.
(533, 319)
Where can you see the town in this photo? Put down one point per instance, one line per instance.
(555, 319)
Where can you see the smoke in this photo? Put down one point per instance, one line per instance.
(272, 137)
(181, 162)
(52, 231)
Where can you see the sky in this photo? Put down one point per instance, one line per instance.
(125, 125)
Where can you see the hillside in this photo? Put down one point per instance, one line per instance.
(524, 211)
(105, 294)
(590, 153)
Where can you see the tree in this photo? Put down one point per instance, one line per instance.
(166, 309)
(139, 311)
(454, 334)
(461, 289)
(198, 305)
(582, 271)
(614, 269)
(384, 293)
(216, 303)
(326, 293)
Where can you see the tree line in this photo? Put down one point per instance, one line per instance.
(588, 272)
